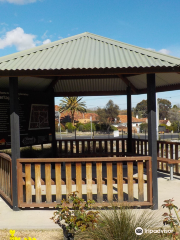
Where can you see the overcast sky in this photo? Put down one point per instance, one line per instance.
(149, 24)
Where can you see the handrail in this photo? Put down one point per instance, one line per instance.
(6, 177)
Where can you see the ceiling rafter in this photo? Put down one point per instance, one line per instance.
(128, 83)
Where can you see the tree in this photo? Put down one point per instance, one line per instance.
(164, 107)
(73, 104)
(174, 115)
(141, 109)
(108, 114)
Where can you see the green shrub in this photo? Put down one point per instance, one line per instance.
(70, 127)
(120, 224)
(112, 128)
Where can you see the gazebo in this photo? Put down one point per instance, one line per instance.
(83, 65)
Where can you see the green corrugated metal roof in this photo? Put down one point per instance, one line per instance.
(86, 51)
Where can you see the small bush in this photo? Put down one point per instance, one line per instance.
(70, 127)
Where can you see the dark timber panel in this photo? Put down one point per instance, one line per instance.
(152, 140)
(15, 135)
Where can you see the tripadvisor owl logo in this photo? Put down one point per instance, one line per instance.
(139, 231)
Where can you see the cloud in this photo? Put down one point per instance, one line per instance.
(18, 38)
(46, 41)
(164, 51)
(21, 2)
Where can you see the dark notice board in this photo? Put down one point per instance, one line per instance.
(34, 117)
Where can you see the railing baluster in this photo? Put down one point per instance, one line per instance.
(149, 180)
(117, 148)
(109, 181)
(28, 183)
(120, 181)
(48, 182)
(140, 182)
(89, 180)
(68, 179)
(58, 182)
(79, 179)
(99, 182)
(38, 182)
(130, 181)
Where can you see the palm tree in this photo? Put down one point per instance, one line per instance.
(72, 104)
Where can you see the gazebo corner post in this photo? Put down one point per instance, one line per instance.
(52, 121)
(152, 139)
(15, 136)
(129, 120)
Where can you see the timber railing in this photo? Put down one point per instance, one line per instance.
(166, 150)
(92, 147)
(6, 177)
(103, 179)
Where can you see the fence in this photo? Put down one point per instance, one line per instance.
(167, 150)
(6, 177)
(92, 147)
(96, 178)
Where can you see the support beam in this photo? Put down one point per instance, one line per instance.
(52, 121)
(128, 83)
(15, 136)
(152, 140)
(129, 120)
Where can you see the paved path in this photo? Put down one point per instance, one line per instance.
(39, 219)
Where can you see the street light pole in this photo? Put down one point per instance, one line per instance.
(60, 124)
(91, 125)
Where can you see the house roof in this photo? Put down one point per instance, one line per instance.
(123, 119)
(89, 64)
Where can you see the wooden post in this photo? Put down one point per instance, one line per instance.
(152, 139)
(52, 122)
(15, 136)
(129, 120)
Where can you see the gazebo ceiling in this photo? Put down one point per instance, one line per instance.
(88, 64)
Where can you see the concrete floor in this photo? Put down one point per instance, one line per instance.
(40, 219)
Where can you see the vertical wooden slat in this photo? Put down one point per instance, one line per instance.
(138, 147)
(100, 146)
(130, 181)
(140, 182)
(146, 153)
(122, 145)
(167, 155)
(120, 181)
(60, 147)
(48, 182)
(99, 182)
(111, 146)
(105, 143)
(89, 180)
(142, 143)
(149, 179)
(68, 179)
(58, 182)
(88, 146)
(176, 157)
(20, 183)
(83, 144)
(77, 146)
(28, 183)
(71, 146)
(79, 179)
(65, 148)
(109, 181)
(94, 146)
(3, 182)
(5, 177)
(38, 182)
(117, 148)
